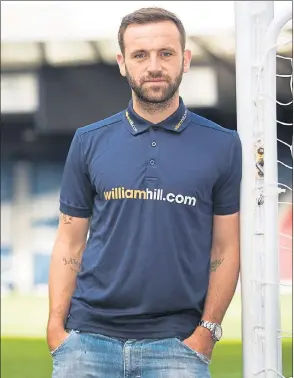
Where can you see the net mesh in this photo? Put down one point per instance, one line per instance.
(285, 178)
(284, 103)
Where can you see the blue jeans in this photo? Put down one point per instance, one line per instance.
(89, 355)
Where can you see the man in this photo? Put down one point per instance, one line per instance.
(158, 189)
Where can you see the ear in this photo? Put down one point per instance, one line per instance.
(187, 60)
(121, 63)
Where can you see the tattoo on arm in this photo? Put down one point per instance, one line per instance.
(66, 218)
(215, 264)
(74, 264)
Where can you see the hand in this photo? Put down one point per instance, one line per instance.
(55, 337)
(201, 341)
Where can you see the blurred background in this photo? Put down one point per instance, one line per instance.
(58, 73)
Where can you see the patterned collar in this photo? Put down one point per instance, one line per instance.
(176, 122)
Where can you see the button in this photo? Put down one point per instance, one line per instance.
(152, 162)
(155, 127)
(153, 144)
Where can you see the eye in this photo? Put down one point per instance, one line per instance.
(166, 54)
(139, 56)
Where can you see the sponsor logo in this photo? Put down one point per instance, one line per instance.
(147, 194)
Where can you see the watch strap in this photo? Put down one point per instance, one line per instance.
(207, 324)
(212, 327)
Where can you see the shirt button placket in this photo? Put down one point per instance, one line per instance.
(152, 169)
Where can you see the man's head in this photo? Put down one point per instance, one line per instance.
(153, 56)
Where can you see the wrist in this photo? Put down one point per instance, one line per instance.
(55, 325)
(202, 332)
(214, 329)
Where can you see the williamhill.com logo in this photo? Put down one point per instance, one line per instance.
(147, 194)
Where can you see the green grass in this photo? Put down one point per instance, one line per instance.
(227, 360)
(24, 353)
(29, 358)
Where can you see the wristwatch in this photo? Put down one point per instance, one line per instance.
(214, 328)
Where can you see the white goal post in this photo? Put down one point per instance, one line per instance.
(257, 31)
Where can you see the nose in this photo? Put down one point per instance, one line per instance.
(154, 65)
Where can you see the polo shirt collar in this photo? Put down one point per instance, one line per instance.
(176, 122)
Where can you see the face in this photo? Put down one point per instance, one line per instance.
(154, 62)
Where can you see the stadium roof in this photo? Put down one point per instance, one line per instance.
(75, 32)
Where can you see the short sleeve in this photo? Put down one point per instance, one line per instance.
(227, 188)
(76, 194)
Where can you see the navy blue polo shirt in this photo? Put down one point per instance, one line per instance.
(151, 192)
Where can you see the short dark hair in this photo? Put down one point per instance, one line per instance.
(147, 16)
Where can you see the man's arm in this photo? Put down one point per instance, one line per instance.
(224, 273)
(224, 268)
(65, 264)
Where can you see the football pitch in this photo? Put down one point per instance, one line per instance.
(29, 358)
(24, 353)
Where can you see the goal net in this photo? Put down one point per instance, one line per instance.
(264, 83)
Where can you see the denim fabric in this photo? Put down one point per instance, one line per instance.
(89, 355)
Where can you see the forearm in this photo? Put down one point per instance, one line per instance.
(223, 279)
(64, 266)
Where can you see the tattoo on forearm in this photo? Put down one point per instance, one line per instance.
(74, 264)
(66, 218)
(215, 264)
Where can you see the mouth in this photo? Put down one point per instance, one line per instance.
(156, 81)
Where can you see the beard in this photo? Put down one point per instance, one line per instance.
(155, 94)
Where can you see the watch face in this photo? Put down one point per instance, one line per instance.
(218, 332)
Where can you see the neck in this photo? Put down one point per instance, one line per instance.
(155, 113)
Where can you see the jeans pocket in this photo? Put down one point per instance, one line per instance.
(62, 344)
(200, 356)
